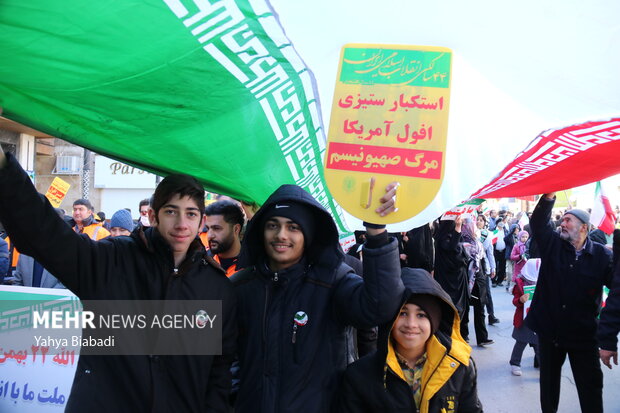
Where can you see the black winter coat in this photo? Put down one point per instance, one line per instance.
(568, 293)
(510, 239)
(298, 369)
(609, 326)
(139, 267)
(451, 261)
(374, 384)
(420, 248)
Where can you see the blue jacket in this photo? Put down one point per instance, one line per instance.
(510, 240)
(282, 370)
(24, 274)
(569, 288)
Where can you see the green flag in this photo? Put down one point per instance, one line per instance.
(213, 89)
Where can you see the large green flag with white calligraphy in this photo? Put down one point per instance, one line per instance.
(209, 88)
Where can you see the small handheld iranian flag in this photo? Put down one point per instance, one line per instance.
(603, 216)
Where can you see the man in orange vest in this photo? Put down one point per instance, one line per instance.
(85, 222)
(224, 224)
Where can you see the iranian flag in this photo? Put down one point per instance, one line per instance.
(603, 216)
(213, 89)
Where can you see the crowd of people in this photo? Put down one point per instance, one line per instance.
(307, 327)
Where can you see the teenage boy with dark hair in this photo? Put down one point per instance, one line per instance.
(164, 262)
(297, 299)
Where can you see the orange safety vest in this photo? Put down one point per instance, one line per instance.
(204, 237)
(96, 231)
(12, 253)
(231, 270)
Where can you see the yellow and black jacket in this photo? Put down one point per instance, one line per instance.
(376, 383)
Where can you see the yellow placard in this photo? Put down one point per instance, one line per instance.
(389, 122)
(57, 192)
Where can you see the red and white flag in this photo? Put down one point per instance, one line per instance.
(560, 159)
(603, 216)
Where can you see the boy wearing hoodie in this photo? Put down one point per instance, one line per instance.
(297, 299)
(422, 363)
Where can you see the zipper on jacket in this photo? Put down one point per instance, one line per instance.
(265, 314)
(294, 341)
(445, 354)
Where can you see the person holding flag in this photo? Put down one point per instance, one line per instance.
(164, 262)
(566, 304)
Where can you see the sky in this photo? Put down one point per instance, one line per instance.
(519, 68)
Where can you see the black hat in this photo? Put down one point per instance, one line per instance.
(431, 305)
(301, 214)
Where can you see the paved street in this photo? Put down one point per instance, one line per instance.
(501, 392)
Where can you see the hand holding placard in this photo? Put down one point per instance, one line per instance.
(389, 123)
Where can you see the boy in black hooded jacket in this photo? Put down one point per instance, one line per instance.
(297, 298)
(422, 363)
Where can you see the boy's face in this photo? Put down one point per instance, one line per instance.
(412, 329)
(178, 222)
(284, 242)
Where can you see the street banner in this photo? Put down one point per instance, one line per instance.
(57, 191)
(560, 159)
(32, 379)
(466, 210)
(389, 123)
(213, 89)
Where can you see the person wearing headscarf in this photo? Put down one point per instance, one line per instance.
(510, 240)
(518, 255)
(451, 260)
(499, 251)
(478, 284)
(521, 333)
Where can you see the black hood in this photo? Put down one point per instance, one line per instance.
(419, 281)
(323, 251)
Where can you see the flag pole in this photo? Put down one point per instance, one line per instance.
(568, 199)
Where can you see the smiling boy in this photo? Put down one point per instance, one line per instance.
(422, 363)
(164, 262)
(297, 300)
